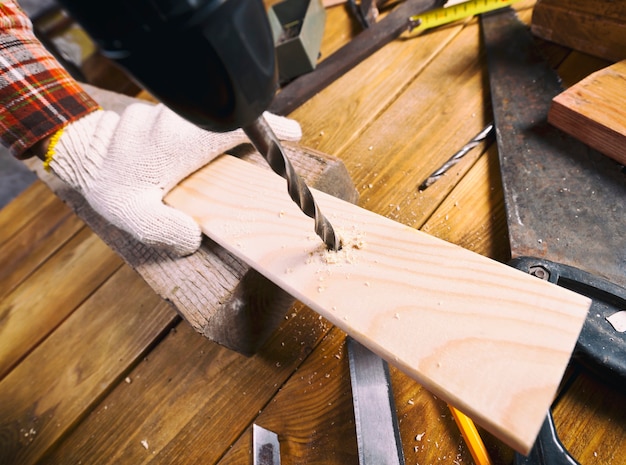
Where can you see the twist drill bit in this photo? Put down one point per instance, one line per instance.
(483, 135)
(266, 142)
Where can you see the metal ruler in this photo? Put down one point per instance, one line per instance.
(455, 12)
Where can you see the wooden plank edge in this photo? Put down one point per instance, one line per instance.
(588, 113)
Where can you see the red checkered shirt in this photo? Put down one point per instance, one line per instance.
(37, 96)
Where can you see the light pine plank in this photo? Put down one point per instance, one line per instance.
(57, 384)
(313, 412)
(486, 338)
(593, 111)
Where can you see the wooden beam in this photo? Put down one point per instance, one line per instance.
(486, 338)
(593, 111)
(596, 27)
(218, 294)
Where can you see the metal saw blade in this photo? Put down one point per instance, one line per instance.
(565, 202)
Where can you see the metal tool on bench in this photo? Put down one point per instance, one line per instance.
(410, 15)
(565, 202)
(378, 435)
(211, 61)
(265, 446)
(485, 135)
(364, 44)
(365, 11)
(377, 429)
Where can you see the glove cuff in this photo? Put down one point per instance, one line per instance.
(77, 155)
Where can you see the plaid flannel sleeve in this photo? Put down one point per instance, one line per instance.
(37, 96)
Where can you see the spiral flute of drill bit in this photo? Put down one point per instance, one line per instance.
(268, 145)
(483, 135)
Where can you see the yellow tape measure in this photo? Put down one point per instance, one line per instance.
(445, 15)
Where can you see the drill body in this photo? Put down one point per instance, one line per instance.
(210, 61)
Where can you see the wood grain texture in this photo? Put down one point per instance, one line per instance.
(312, 414)
(23, 209)
(596, 27)
(601, 436)
(190, 399)
(415, 135)
(593, 111)
(425, 305)
(37, 306)
(472, 215)
(50, 391)
(44, 234)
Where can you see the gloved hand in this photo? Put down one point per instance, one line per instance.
(125, 165)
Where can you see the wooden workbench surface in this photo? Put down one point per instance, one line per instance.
(96, 368)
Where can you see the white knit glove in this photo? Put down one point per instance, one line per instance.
(125, 165)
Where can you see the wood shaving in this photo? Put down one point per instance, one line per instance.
(351, 242)
(618, 321)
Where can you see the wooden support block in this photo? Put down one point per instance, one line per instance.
(593, 111)
(488, 339)
(596, 27)
(218, 294)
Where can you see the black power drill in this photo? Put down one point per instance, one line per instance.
(210, 61)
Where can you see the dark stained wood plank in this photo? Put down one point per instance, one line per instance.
(365, 92)
(190, 399)
(314, 418)
(417, 134)
(38, 305)
(25, 251)
(576, 66)
(362, 45)
(472, 215)
(590, 419)
(56, 385)
(312, 413)
(21, 210)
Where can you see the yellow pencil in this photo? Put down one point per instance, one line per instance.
(472, 438)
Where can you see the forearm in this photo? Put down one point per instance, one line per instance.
(37, 96)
